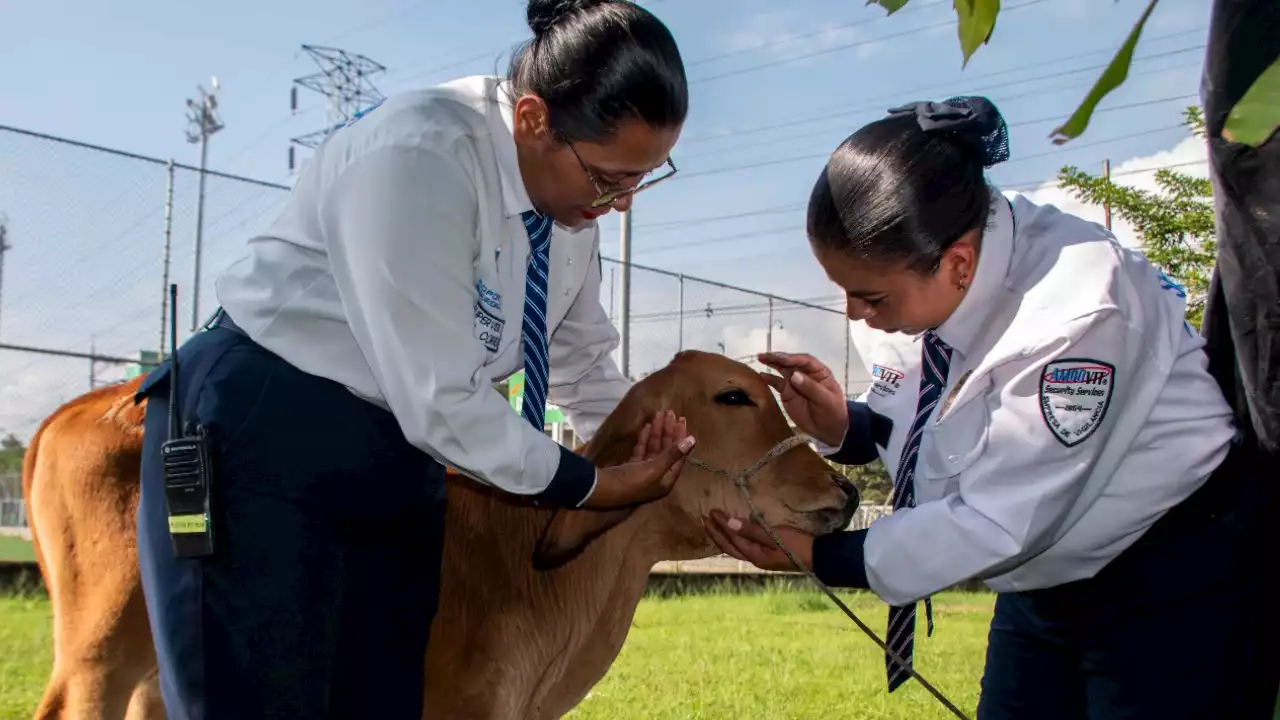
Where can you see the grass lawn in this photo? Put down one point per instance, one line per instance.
(769, 655)
(773, 654)
(15, 549)
(26, 653)
(785, 654)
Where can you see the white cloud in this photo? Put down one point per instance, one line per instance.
(743, 343)
(1188, 150)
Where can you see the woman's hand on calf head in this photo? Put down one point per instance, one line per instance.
(656, 462)
(810, 394)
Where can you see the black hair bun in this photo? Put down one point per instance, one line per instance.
(546, 14)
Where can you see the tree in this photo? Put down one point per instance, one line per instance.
(1251, 120)
(1177, 223)
(872, 480)
(11, 452)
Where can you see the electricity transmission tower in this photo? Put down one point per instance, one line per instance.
(344, 78)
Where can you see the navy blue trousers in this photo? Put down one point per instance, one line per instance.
(319, 597)
(1178, 627)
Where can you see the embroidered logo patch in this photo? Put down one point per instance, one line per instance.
(886, 380)
(491, 298)
(488, 328)
(1074, 396)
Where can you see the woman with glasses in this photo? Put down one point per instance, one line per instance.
(431, 248)
(1052, 429)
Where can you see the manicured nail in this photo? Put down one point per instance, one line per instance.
(686, 444)
(734, 524)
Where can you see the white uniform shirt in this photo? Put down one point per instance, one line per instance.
(1078, 409)
(372, 276)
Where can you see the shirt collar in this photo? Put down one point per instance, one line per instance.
(515, 199)
(994, 254)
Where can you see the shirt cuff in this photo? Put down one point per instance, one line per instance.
(838, 559)
(867, 428)
(572, 483)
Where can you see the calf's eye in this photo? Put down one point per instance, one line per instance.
(734, 397)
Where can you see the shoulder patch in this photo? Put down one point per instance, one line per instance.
(1074, 396)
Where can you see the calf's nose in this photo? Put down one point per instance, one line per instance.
(849, 489)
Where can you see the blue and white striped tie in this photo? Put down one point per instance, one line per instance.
(935, 363)
(533, 404)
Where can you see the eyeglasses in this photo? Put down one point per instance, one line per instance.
(612, 195)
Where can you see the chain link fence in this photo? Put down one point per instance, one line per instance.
(95, 235)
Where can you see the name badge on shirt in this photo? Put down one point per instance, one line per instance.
(488, 322)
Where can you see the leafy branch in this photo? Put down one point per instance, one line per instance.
(1253, 119)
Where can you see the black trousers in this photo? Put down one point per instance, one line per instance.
(1178, 627)
(319, 598)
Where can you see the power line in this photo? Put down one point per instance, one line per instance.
(866, 104)
(817, 156)
(793, 228)
(916, 7)
(667, 225)
(1057, 117)
(1036, 184)
(850, 46)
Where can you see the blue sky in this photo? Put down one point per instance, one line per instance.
(776, 86)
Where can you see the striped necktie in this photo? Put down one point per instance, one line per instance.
(935, 363)
(534, 401)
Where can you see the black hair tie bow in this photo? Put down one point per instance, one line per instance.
(973, 120)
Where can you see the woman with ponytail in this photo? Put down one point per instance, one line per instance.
(1051, 429)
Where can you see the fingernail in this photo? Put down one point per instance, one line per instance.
(734, 524)
(686, 444)
(797, 379)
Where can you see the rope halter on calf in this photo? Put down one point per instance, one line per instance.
(741, 480)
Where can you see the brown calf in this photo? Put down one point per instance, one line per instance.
(535, 604)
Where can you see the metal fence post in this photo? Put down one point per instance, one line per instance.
(768, 343)
(168, 244)
(848, 343)
(625, 247)
(680, 336)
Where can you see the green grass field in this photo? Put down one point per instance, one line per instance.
(25, 653)
(768, 655)
(15, 549)
(772, 654)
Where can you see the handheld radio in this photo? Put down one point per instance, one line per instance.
(188, 470)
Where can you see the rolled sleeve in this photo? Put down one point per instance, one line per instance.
(400, 224)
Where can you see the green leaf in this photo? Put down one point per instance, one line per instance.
(1257, 114)
(977, 20)
(1111, 79)
(892, 6)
